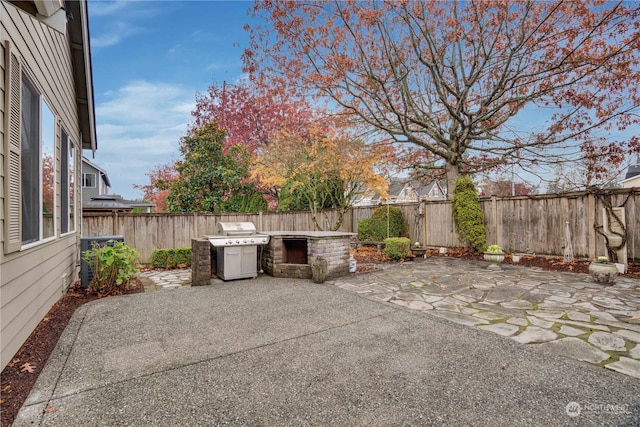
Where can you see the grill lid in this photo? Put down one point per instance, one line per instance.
(236, 228)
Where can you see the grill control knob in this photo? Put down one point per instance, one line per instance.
(237, 241)
(252, 241)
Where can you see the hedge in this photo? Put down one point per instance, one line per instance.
(171, 258)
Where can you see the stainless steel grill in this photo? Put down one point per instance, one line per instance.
(237, 249)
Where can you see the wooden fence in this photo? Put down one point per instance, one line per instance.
(533, 224)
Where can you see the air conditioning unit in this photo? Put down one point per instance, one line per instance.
(86, 243)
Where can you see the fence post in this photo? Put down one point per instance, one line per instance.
(351, 222)
(591, 219)
(200, 262)
(494, 207)
(423, 237)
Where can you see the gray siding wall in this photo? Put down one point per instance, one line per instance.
(89, 192)
(2, 136)
(33, 279)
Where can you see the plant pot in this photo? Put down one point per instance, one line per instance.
(353, 265)
(319, 267)
(603, 272)
(515, 259)
(494, 256)
(419, 252)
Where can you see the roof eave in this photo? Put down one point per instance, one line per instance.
(82, 72)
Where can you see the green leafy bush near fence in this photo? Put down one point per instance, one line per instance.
(248, 201)
(112, 265)
(467, 214)
(397, 247)
(375, 229)
(171, 258)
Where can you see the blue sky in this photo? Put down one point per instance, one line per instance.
(149, 59)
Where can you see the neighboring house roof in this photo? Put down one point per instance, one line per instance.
(434, 186)
(105, 203)
(93, 202)
(413, 189)
(364, 196)
(103, 173)
(634, 170)
(395, 189)
(632, 177)
(407, 191)
(113, 203)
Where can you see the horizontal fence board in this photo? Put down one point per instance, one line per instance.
(533, 224)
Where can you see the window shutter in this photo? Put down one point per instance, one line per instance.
(13, 116)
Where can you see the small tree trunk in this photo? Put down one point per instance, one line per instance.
(341, 212)
(314, 219)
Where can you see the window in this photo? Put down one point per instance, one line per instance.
(37, 156)
(48, 171)
(89, 180)
(67, 184)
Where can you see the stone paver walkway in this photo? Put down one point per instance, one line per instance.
(566, 313)
(154, 280)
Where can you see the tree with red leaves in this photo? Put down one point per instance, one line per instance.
(160, 179)
(505, 188)
(48, 174)
(476, 84)
(249, 117)
(249, 114)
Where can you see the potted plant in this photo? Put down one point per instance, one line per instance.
(319, 269)
(418, 250)
(494, 253)
(603, 271)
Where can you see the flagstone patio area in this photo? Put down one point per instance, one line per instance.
(568, 313)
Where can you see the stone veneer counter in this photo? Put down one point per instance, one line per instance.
(289, 253)
(313, 234)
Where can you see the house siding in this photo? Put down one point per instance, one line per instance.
(631, 182)
(89, 192)
(2, 139)
(33, 279)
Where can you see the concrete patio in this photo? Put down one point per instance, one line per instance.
(290, 352)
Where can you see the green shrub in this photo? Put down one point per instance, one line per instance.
(248, 201)
(171, 258)
(374, 229)
(467, 215)
(397, 247)
(112, 264)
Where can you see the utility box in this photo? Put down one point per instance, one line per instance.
(86, 243)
